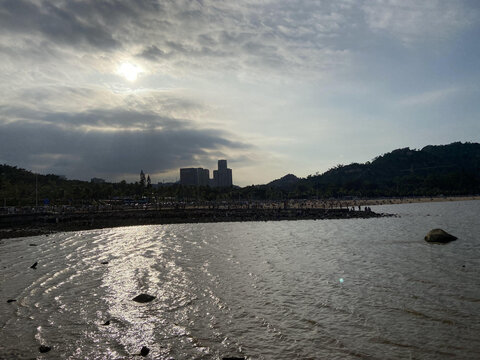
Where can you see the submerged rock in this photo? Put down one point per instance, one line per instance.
(145, 350)
(11, 300)
(143, 298)
(34, 266)
(439, 236)
(44, 348)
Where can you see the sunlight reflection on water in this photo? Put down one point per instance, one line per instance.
(294, 289)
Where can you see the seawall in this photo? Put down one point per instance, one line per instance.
(18, 225)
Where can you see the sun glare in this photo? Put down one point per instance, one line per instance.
(129, 71)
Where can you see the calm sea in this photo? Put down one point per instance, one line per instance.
(331, 289)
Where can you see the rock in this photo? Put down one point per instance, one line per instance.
(34, 266)
(143, 298)
(104, 262)
(106, 323)
(145, 350)
(32, 245)
(439, 236)
(11, 300)
(44, 348)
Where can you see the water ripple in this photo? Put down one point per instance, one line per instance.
(368, 289)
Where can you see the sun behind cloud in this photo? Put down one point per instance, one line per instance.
(129, 71)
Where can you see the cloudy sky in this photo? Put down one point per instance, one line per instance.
(106, 88)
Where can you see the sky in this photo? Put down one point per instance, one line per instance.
(108, 88)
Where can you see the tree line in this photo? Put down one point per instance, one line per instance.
(434, 170)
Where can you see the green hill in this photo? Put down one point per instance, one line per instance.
(452, 169)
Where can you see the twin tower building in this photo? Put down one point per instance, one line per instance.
(201, 177)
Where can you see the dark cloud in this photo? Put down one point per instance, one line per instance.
(180, 32)
(265, 34)
(55, 23)
(46, 143)
(152, 53)
(121, 119)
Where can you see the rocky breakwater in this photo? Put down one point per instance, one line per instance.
(35, 224)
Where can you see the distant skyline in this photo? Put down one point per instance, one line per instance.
(106, 88)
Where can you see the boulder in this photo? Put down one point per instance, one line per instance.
(44, 348)
(439, 236)
(143, 298)
(145, 350)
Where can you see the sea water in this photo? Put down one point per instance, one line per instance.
(327, 289)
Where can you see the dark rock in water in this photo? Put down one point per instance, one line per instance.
(44, 348)
(34, 266)
(104, 262)
(233, 358)
(32, 244)
(106, 323)
(11, 300)
(143, 298)
(145, 350)
(439, 236)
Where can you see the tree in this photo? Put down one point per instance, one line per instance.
(142, 178)
(149, 182)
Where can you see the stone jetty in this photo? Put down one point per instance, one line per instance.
(18, 225)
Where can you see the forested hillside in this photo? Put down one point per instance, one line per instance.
(445, 169)
(434, 170)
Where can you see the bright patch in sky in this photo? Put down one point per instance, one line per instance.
(129, 71)
(274, 87)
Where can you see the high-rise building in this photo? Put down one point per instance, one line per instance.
(223, 176)
(201, 177)
(194, 176)
(222, 164)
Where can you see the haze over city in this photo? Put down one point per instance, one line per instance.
(104, 89)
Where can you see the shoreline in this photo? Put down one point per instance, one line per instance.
(415, 200)
(23, 225)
